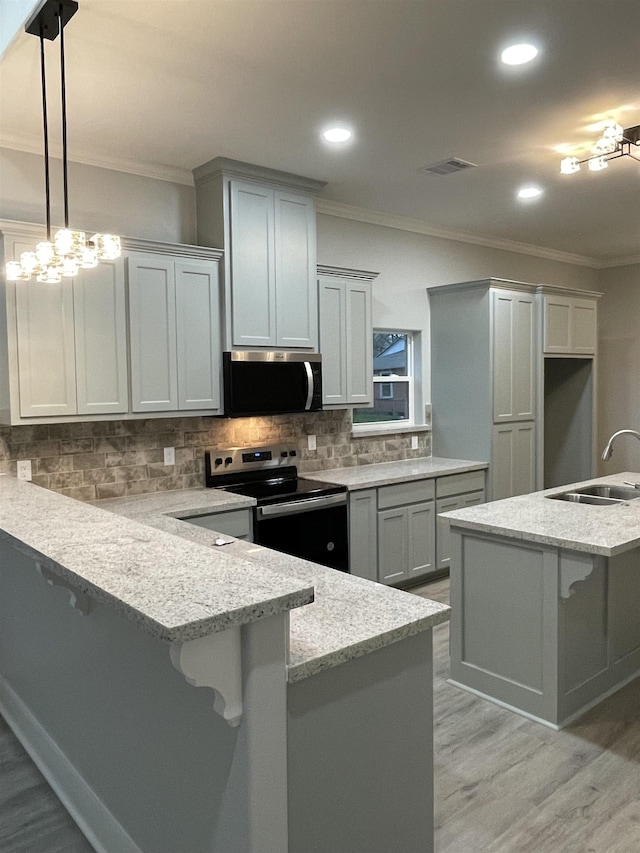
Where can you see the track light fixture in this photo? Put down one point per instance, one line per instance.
(615, 142)
(69, 251)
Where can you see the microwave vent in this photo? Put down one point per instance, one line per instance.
(447, 167)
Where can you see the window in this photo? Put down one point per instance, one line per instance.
(393, 379)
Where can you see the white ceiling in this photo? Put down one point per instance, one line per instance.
(160, 86)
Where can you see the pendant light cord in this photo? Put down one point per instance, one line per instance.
(63, 87)
(47, 190)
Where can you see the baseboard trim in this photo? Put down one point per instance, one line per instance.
(93, 818)
(505, 705)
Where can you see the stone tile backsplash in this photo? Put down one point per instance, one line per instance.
(106, 459)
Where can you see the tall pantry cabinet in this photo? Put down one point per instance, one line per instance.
(483, 367)
(513, 381)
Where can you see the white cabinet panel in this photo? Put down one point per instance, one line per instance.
(569, 325)
(346, 341)
(198, 335)
(295, 273)
(46, 348)
(333, 342)
(359, 344)
(101, 339)
(253, 294)
(513, 460)
(152, 313)
(513, 355)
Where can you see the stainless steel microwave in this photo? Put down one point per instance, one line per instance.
(271, 383)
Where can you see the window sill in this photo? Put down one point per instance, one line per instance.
(366, 431)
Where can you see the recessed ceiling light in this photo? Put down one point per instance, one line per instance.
(529, 192)
(518, 54)
(336, 134)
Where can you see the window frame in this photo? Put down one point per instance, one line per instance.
(409, 379)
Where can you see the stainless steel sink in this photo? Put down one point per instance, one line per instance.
(602, 494)
(605, 490)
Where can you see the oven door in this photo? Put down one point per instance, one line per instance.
(314, 529)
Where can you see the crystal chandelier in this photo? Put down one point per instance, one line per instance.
(69, 251)
(615, 142)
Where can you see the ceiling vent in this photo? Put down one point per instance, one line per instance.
(446, 167)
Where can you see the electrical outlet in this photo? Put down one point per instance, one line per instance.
(169, 456)
(311, 439)
(414, 442)
(24, 469)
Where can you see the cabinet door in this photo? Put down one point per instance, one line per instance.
(583, 326)
(513, 355)
(512, 468)
(421, 534)
(392, 545)
(359, 344)
(295, 271)
(198, 340)
(152, 315)
(363, 534)
(46, 349)
(333, 343)
(101, 339)
(443, 533)
(557, 324)
(253, 295)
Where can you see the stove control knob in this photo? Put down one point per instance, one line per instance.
(228, 460)
(284, 453)
(219, 460)
(292, 453)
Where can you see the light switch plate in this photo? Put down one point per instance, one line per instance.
(414, 442)
(169, 456)
(311, 442)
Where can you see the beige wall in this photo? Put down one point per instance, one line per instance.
(619, 364)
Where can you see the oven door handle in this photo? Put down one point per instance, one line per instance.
(295, 507)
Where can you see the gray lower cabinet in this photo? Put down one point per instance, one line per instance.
(394, 535)
(235, 522)
(174, 334)
(513, 459)
(363, 534)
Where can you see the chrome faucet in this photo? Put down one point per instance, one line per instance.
(607, 452)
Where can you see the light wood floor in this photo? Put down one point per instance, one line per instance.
(503, 784)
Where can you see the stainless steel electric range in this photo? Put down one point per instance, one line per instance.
(295, 515)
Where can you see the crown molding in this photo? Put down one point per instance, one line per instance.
(345, 272)
(417, 226)
(157, 171)
(619, 262)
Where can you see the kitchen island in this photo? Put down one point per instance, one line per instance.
(545, 597)
(178, 695)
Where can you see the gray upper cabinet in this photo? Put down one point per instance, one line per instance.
(346, 336)
(265, 221)
(174, 334)
(70, 353)
(272, 267)
(570, 326)
(137, 335)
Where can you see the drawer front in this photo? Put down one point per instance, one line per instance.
(415, 491)
(458, 484)
(235, 523)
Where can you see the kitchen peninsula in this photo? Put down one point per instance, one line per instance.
(545, 597)
(183, 695)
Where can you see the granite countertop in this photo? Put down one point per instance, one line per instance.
(386, 473)
(174, 589)
(137, 556)
(349, 617)
(604, 530)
